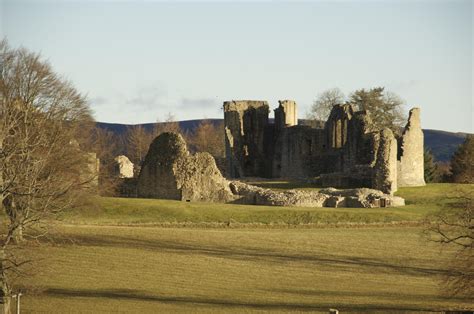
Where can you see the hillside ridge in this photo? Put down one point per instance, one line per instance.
(441, 143)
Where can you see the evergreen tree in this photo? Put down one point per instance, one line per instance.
(385, 108)
(462, 162)
(430, 167)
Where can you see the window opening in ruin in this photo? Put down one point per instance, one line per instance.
(246, 150)
(338, 134)
(344, 134)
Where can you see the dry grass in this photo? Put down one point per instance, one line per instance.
(139, 269)
(93, 266)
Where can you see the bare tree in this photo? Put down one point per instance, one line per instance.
(209, 137)
(322, 106)
(42, 167)
(138, 139)
(138, 142)
(169, 125)
(106, 145)
(453, 226)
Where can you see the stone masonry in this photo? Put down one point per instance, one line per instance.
(348, 152)
(171, 172)
(123, 167)
(245, 123)
(410, 159)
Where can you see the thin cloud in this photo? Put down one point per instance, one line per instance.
(403, 85)
(98, 101)
(204, 103)
(200, 107)
(148, 97)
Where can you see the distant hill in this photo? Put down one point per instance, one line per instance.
(187, 125)
(441, 143)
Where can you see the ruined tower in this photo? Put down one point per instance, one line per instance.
(385, 168)
(410, 152)
(245, 122)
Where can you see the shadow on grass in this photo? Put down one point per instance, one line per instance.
(137, 295)
(261, 255)
(376, 295)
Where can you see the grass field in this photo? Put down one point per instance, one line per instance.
(128, 211)
(94, 265)
(140, 269)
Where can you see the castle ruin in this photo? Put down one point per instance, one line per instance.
(347, 152)
(170, 171)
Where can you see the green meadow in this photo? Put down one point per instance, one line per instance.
(149, 256)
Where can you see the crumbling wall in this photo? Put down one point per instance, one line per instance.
(350, 149)
(359, 176)
(410, 159)
(385, 168)
(348, 152)
(170, 172)
(123, 167)
(286, 114)
(157, 177)
(337, 126)
(199, 179)
(124, 172)
(245, 123)
(299, 147)
(356, 198)
(361, 141)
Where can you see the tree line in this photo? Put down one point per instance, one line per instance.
(460, 169)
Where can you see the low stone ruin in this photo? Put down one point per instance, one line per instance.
(123, 167)
(171, 172)
(359, 198)
(254, 195)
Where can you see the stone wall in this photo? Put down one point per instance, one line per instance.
(245, 123)
(410, 152)
(123, 167)
(286, 114)
(385, 168)
(171, 172)
(299, 146)
(348, 152)
(355, 198)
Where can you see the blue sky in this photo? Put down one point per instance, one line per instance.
(139, 60)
